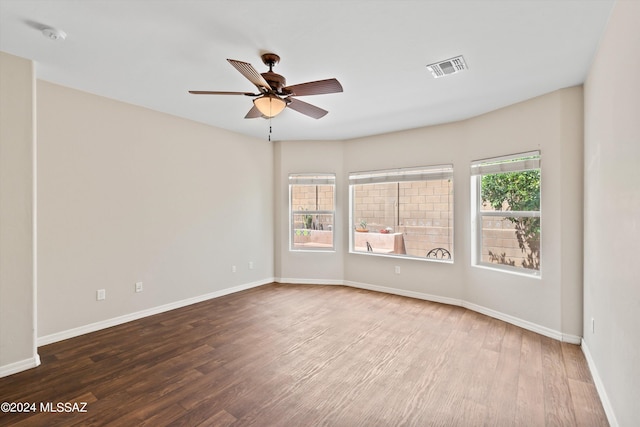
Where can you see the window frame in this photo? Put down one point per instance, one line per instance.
(397, 176)
(520, 162)
(311, 179)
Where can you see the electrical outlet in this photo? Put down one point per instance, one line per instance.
(397, 269)
(233, 269)
(250, 265)
(101, 294)
(139, 287)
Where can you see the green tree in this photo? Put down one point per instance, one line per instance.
(517, 191)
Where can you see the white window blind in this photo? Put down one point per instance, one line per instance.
(512, 163)
(402, 175)
(312, 179)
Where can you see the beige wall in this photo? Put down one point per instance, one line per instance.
(131, 195)
(436, 145)
(612, 190)
(551, 123)
(307, 157)
(17, 207)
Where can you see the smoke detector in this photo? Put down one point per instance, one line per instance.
(53, 34)
(447, 67)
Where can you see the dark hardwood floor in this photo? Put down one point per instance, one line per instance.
(304, 355)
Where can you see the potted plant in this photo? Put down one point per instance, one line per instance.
(308, 222)
(362, 227)
(307, 219)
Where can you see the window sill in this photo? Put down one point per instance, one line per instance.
(401, 256)
(315, 250)
(535, 274)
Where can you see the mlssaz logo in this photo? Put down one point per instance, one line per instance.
(63, 406)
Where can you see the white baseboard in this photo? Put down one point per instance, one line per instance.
(525, 324)
(606, 403)
(405, 293)
(572, 339)
(308, 281)
(19, 366)
(542, 330)
(59, 336)
(92, 327)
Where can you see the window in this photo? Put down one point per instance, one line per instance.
(311, 204)
(402, 212)
(506, 212)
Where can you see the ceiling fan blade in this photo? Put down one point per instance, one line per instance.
(210, 92)
(250, 73)
(254, 113)
(315, 88)
(306, 109)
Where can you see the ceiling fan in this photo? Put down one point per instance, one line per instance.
(274, 95)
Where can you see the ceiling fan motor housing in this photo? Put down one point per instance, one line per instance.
(276, 81)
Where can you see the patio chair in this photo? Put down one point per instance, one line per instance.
(439, 253)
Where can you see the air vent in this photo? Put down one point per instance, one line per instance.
(447, 67)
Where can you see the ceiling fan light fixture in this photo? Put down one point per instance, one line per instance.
(269, 105)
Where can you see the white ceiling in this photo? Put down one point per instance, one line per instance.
(151, 52)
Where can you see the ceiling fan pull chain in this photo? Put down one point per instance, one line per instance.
(270, 115)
